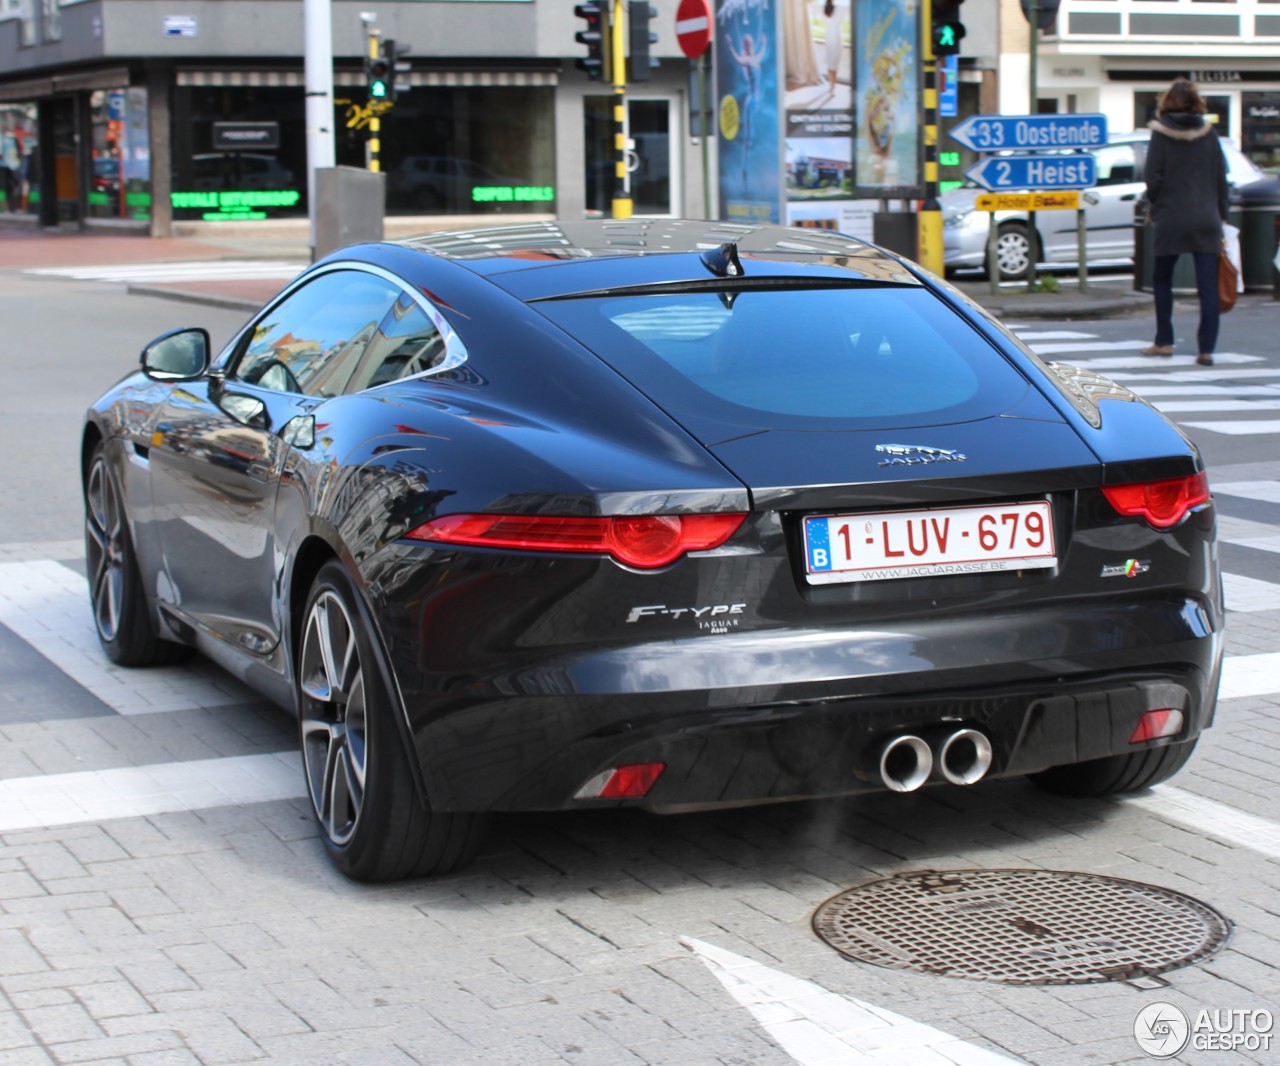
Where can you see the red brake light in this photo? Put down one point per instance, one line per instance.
(1162, 503)
(622, 782)
(1156, 724)
(643, 541)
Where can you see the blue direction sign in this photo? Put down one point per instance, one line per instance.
(1000, 133)
(1003, 173)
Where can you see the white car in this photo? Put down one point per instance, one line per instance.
(1109, 213)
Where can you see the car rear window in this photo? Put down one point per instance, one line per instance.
(798, 358)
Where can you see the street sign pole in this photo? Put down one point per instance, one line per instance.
(1033, 20)
(929, 221)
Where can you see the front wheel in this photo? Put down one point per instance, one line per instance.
(372, 822)
(120, 610)
(1116, 774)
(1014, 249)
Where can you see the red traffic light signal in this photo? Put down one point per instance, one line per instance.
(595, 36)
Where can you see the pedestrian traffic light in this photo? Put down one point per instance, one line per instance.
(595, 36)
(639, 14)
(948, 30)
(378, 73)
(391, 53)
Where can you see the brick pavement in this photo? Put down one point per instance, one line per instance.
(221, 935)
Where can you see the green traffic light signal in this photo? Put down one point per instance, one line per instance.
(377, 71)
(947, 37)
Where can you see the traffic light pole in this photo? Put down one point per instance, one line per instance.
(929, 220)
(622, 205)
(374, 147)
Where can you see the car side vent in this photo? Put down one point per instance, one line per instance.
(723, 262)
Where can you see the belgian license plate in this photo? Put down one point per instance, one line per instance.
(928, 543)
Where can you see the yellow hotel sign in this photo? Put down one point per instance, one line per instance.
(1028, 201)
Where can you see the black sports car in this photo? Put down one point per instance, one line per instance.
(672, 514)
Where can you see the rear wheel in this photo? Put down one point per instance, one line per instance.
(372, 822)
(1014, 249)
(115, 584)
(1116, 774)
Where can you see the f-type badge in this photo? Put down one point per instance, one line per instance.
(915, 455)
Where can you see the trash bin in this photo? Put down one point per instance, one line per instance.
(1184, 270)
(1258, 245)
(895, 230)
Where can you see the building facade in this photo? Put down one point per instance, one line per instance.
(126, 113)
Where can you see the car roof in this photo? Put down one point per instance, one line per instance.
(577, 256)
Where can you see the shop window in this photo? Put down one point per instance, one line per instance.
(1261, 129)
(120, 184)
(19, 159)
(485, 150)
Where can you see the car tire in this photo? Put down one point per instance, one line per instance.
(1116, 774)
(120, 611)
(1013, 251)
(372, 821)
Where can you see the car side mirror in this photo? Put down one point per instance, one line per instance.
(177, 356)
(247, 410)
(300, 432)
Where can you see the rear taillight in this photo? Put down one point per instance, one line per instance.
(643, 541)
(622, 782)
(1157, 724)
(1162, 503)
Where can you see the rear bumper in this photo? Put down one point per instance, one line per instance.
(530, 740)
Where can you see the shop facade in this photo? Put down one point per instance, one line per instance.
(114, 115)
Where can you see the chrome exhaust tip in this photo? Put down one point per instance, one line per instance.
(965, 757)
(905, 763)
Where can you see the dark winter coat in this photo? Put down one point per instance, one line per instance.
(1186, 179)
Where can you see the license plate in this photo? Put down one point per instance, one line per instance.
(928, 543)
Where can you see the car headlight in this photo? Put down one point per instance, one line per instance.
(959, 218)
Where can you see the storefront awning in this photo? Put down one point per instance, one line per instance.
(463, 78)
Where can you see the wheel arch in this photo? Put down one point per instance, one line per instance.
(311, 556)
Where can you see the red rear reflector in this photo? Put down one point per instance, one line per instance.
(1156, 724)
(622, 782)
(1162, 503)
(644, 541)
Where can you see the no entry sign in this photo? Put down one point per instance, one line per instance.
(693, 27)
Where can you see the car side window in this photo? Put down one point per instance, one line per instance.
(1117, 164)
(407, 342)
(312, 341)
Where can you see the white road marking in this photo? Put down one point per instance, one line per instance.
(1209, 817)
(1249, 594)
(1199, 388)
(47, 605)
(1199, 374)
(1225, 405)
(161, 788)
(817, 1027)
(1260, 536)
(1250, 675)
(1238, 429)
(1266, 491)
(195, 270)
(1053, 335)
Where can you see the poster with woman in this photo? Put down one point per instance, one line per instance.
(886, 139)
(818, 100)
(746, 59)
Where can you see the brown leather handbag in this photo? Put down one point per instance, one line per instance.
(1228, 279)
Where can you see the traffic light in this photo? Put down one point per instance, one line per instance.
(378, 75)
(639, 14)
(391, 53)
(595, 36)
(948, 30)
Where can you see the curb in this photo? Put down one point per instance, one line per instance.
(208, 299)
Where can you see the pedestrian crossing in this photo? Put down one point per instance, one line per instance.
(1236, 387)
(188, 270)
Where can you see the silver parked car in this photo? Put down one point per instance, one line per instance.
(1109, 210)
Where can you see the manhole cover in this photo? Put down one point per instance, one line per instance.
(1022, 927)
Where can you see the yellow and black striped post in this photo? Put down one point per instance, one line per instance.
(617, 43)
(375, 122)
(930, 218)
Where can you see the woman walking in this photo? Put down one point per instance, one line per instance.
(1186, 179)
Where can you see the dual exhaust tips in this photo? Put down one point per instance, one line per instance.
(906, 762)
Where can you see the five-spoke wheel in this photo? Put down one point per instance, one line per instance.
(374, 821)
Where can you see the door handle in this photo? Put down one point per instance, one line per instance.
(1129, 196)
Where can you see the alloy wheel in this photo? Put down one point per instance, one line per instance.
(1013, 253)
(334, 721)
(106, 549)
